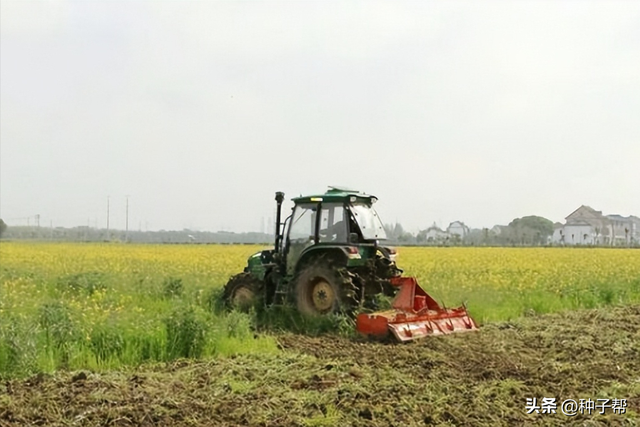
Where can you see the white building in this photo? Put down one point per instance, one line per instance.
(457, 228)
(436, 234)
(586, 226)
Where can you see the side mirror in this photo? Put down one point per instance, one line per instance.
(353, 238)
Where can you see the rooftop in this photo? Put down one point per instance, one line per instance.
(337, 194)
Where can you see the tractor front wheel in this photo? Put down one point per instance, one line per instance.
(241, 292)
(321, 289)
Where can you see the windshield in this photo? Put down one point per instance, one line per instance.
(303, 221)
(368, 221)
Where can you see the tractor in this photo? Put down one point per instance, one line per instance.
(329, 257)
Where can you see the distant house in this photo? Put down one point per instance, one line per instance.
(635, 229)
(624, 230)
(558, 233)
(435, 234)
(584, 226)
(587, 226)
(458, 228)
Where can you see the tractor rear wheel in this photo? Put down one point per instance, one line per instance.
(242, 292)
(321, 289)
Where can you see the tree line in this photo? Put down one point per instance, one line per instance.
(526, 231)
(530, 230)
(88, 234)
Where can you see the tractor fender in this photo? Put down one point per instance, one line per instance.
(337, 253)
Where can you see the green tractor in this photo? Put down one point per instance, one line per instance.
(327, 258)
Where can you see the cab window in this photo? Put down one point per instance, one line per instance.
(333, 227)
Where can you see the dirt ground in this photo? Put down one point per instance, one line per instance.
(471, 379)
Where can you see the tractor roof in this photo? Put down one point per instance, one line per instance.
(337, 194)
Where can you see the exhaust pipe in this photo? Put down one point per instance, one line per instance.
(279, 200)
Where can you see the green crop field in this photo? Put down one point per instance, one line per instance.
(99, 316)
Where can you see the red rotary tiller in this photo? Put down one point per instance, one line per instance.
(414, 314)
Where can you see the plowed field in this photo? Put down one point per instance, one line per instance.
(482, 379)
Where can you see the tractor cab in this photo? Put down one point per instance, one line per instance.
(335, 215)
(339, 217)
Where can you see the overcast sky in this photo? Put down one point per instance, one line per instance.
(200, 111)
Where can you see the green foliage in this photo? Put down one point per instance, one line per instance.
(239, 325)
(287, 318)
(87, 282)
(531, 229)
(18, 347)
(55, 320)
(382, 302)
(172, 287)
(105, 306)
(396, 233)
(186, 333)
(107, 343)
(329, 416)
(3, 227)
(213, 301)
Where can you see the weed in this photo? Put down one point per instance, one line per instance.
(55, 320)
(329, 416)
(287, 318)
(88, 282)
(107, 343)
(18, 348)
(172, 287)
(186, 333)
(239, 325)
(213, 301)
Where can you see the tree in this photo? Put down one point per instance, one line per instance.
(532, 229)
(3, 227)
(393, 231)
(396, 233)
(406, 237)
(398, 230)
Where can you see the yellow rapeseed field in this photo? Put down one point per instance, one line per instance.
(75, 304)
(448, 273)
(502, 283)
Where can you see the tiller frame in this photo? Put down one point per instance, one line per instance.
(414, 314)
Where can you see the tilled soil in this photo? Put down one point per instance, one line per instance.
(482, 378)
